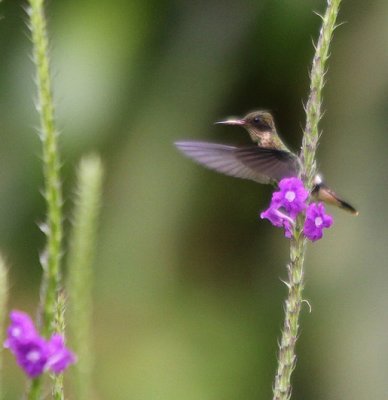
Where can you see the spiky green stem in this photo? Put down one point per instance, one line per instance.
(51, 166)
(80, 272)
(295, 283)
(59, 326)
(293, 303)
(52, 185)
(314, 102)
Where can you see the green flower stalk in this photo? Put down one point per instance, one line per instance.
(52, 187)
(3, 306)
(295, 283)
(51, 165)
(59, 322)
(80, 272)
(314, 102)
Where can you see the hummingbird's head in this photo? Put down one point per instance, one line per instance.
(259, 124)
(260, 121)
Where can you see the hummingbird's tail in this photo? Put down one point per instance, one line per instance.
(322, 192)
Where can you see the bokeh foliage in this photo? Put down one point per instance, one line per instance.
(188, 296)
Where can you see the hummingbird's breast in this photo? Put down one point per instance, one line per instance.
(266, 140)
(262, 138)
(270, 140)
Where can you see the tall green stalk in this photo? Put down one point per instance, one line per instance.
(59, 322)
(51, 165)
(314, 102)
(52, 184)
(295, 283)
(80, 271)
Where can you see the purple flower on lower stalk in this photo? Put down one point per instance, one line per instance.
(21, 329)
(292, 196)
(316, 221)
(33, 353)
(32, 356)
(279, 219)
(60, 357)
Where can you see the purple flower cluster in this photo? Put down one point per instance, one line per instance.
(316, 220)
(33, 353)
(289, 202)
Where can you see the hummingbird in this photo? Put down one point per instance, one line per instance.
(267, 161)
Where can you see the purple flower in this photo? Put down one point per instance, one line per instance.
(32, 356)
(316, 220)
(289, 202)
(60, 357)
(292, 196)
(33, 353)
(21, 329)
(279, 219)
(286, 204)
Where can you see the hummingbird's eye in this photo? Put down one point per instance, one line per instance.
(256, 120)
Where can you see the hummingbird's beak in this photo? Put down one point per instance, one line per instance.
(231, 122)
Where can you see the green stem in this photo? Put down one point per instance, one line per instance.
(52, 185)
(293, 303)
(35, 389)
(58, 390)
(51, 166)
(314, 102)
(295, 283)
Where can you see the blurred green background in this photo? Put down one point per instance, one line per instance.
(188, 298)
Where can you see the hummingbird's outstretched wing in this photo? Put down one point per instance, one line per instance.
(256, 163)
